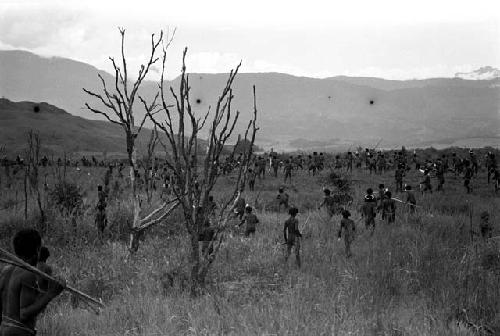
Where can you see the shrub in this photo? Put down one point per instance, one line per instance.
(66, 196)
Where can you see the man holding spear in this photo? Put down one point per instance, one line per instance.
(21, 300)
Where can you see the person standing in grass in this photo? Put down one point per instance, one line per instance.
(410, 198)
(496, 179)
(251, 221)
(288, 170)
(440, 169)
(469, 172)
(251, 179)
(368, 210)
(328, 203)
(426, 183)
(380, 195)
(485, 226)
(348, 227)
(388, 207)
(292, 235)
(101, 220)
(282, 198)
(21, 300)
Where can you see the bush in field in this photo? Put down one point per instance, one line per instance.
(66, 196)
(342, 183)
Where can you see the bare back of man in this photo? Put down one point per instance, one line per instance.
(19, 291)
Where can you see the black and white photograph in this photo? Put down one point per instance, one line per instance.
(249, 167)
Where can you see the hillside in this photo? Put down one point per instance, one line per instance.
(358, 111)
(59, 131)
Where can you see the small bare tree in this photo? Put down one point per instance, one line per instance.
(119, 109)
(195, 178)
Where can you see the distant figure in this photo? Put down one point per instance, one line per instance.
(485, 226)
(250, 220)
(388, 208)
(468, 177)
(496, 179)
(440, 170)
(275, 165)
(380, 194)
(21, 300)
(328, 203)
(292, 235)
(101, 220)
(287, 169)
(251, 179)
(368, 210)
(410, 198)
(282, 199)
(348, 227)
(426, 182)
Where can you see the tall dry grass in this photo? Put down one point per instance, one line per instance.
(422, 275)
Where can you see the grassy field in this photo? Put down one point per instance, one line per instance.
(423, 275)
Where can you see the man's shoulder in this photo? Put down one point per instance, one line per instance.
(17, 275)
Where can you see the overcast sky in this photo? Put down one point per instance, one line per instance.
(393, 39)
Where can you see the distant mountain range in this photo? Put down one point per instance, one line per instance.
(294, 112)
(484, 73)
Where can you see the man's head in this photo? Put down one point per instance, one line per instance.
(346, 213)
(485, 215)
(293, 211)
(248, 209)
(27, 244)
(327, 192)
(281, 190)
(381, 186)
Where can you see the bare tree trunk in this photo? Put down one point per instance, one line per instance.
(25, 194)
(197, 282)
(134, 235)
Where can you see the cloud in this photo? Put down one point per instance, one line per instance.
(212, 61)
(39, 26)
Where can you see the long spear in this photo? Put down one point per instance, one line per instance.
(15, 261)
(378, 143)
(400, 201)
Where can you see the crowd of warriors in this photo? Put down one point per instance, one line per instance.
(156, 176)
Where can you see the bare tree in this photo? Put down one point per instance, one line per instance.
(119, 109)
(193, 179)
